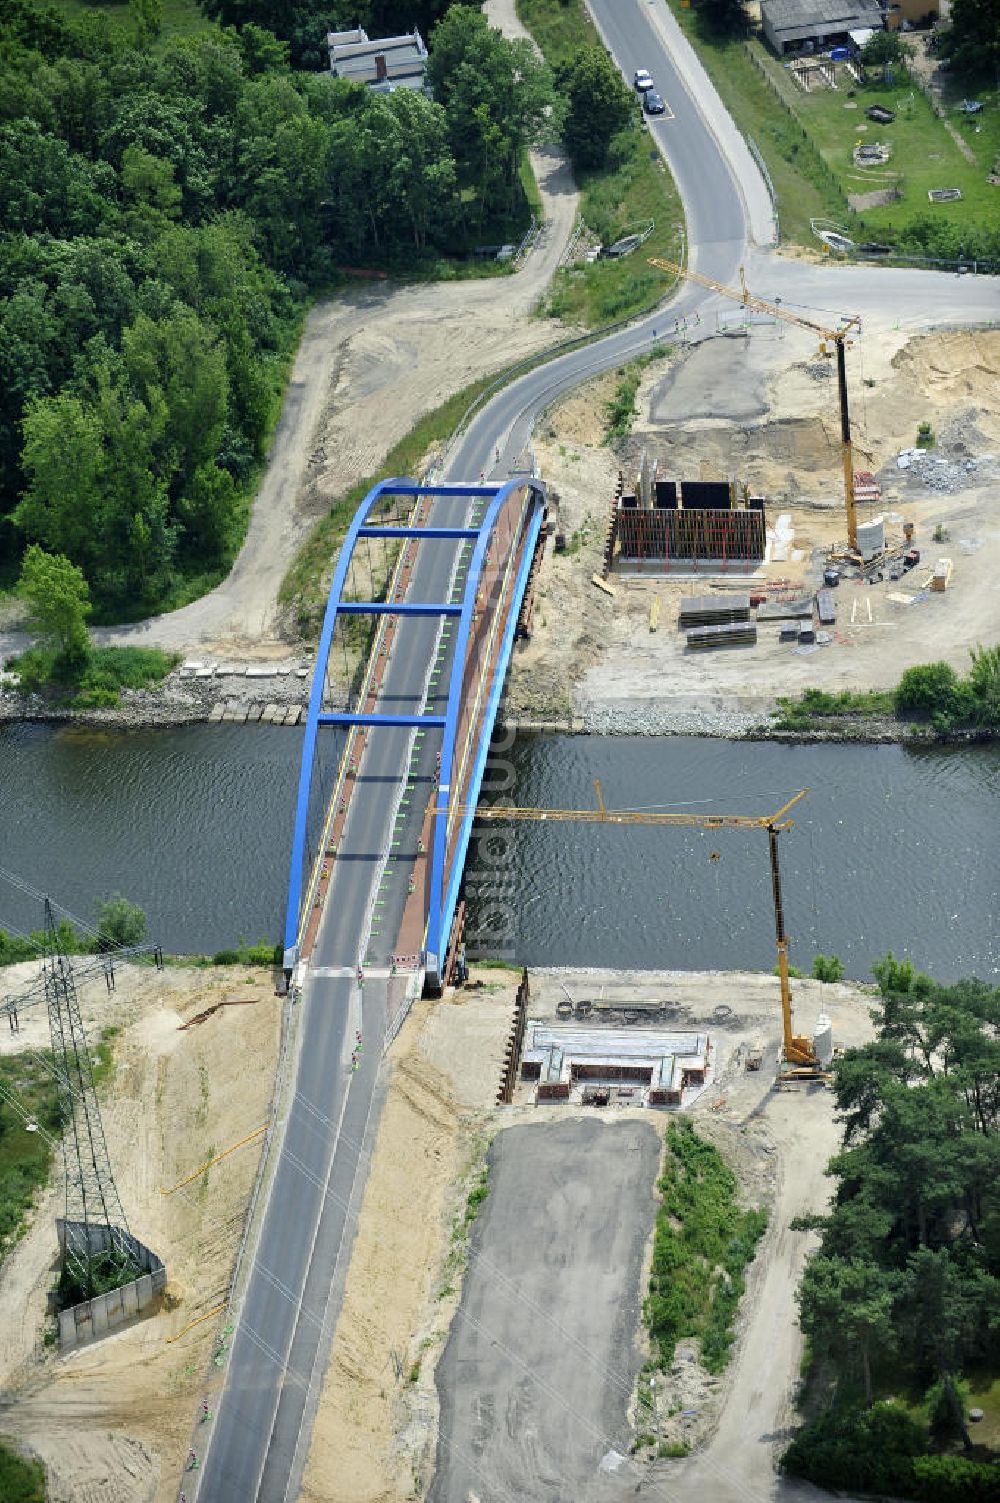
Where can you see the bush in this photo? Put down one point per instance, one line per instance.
(262, 953)
(858, 1450)
(702, 1244)
(948, 1479)
(94, 680)
(120, 923)
(928, 689)
(21, 1480)
(828, 968)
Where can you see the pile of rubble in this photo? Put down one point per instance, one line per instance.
(939, 473)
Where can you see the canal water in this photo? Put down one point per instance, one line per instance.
(891, 849)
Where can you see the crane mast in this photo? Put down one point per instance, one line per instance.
(837, 338)
(798, 1051)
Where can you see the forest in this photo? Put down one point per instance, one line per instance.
(167, 211)
(901, 1303)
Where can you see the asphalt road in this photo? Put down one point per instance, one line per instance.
(716, 240)
(259, 1442)
(721, 189)
(537, 1373)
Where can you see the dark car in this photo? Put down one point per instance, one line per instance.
(880, 114)
(652, 103)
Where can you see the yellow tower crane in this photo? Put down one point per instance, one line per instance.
(799, 1056)
(836, 337)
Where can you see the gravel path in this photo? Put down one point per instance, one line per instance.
(350, 397)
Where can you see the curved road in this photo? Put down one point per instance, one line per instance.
(259, 1441)
(261, 1436)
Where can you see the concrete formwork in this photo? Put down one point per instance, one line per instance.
(662, 534)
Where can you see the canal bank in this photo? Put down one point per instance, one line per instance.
(259, 695)
(892, 849)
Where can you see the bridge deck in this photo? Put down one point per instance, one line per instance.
(365, 904)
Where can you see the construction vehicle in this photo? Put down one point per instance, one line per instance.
(837, 338)
(800, 1059)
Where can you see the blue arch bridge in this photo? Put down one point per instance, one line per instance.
(423, 612)
(421, 620)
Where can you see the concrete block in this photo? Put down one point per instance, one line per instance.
(204, 673)
(67, 1330)
(271, 714)
(292, 715)
(253, 713)
(216, 712)
(257, 672)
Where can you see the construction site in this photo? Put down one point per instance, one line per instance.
(719, 556)
(112, 1419)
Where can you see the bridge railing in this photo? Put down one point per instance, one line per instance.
(486, 616)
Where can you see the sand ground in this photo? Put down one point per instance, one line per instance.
(700, 423)
(113, 1421)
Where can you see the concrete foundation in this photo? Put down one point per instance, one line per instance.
(643, 1067)
(94, 1318)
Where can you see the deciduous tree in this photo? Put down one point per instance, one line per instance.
(58, 602)
(599, 104)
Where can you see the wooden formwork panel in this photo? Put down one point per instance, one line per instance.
(666, 534)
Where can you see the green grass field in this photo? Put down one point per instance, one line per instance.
(807, 141)
(924, 155)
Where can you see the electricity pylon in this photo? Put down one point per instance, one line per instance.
(95, 1221)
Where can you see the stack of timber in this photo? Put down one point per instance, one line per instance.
(730, 634)
(710, 610)
(611, 536)
(785, 610)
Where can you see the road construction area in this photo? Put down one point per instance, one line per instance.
(472, 1325)
(537, 1375)
(762, 410)
(490, 1332)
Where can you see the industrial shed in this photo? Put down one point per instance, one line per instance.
(788, 24)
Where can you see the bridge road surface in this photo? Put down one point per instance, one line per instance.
(260, 1440)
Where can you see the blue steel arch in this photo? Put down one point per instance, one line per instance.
(441, 901)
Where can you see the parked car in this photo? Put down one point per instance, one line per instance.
(880, 114)
(643, 80)
(652, 103)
